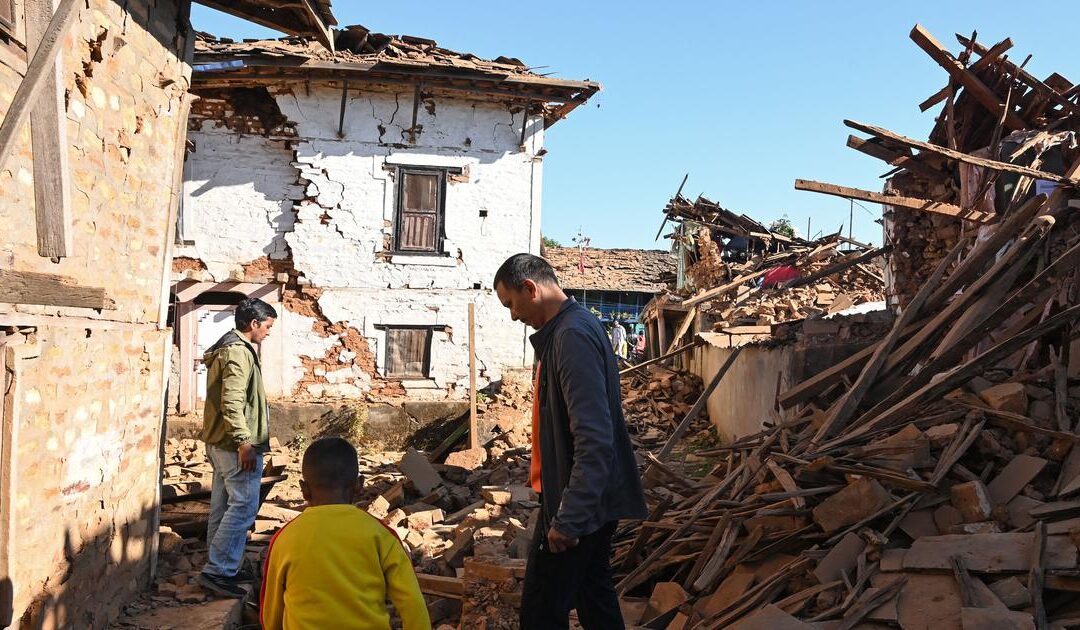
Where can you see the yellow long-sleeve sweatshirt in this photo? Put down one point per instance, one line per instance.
(334, 567)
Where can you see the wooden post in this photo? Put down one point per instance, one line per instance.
(7, 438)
(39, 69)
(48, 136)
(474, 430)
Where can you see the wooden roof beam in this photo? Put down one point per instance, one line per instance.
(911, 203)
(960, 156)
(282, 19)
(988, 57)
(983, 94)
(1023, 76)
(893, 158)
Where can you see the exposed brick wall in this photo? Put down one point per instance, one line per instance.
(87, 469)
(89, 392)
(123, 130)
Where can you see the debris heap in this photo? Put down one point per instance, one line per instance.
(931, 479)
(747, 275)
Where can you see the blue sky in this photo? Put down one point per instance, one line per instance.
(745, 97)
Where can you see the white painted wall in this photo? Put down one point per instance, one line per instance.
(330, 201)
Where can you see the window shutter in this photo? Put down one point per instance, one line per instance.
(419, 212)
(407, 352)
(7, 14)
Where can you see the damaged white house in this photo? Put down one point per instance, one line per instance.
(370, 195)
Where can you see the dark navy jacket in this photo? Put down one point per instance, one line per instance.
(587, 469)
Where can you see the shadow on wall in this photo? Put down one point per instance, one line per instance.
(99, 578)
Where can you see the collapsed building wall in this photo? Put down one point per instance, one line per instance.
(274, 195)
(82, 386)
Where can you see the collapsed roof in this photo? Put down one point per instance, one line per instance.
(303, 17)
(365, 56)
(634, 270)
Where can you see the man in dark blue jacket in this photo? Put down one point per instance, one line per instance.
(583, 464)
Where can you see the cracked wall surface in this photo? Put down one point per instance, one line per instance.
(324, 205)
(84, 388)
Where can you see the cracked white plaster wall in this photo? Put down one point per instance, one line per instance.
(238, 200)
(345, 206)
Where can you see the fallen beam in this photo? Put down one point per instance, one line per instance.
(993, 165)
(911, 203)
(965, 77)
(988, 56)
(25, 287)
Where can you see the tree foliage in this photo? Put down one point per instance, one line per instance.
(783, 226)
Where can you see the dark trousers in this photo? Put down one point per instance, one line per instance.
(556, 583)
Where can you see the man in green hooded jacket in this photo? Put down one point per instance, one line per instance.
(236, 433)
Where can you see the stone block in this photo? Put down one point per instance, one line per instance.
(469, 459)
(973, 501)
(1006, 397)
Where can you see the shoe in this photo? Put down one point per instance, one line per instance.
(226, 587)
(245, 576)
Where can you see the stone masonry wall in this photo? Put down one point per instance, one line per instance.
(87, 405)
(274, 194)
(87, 468)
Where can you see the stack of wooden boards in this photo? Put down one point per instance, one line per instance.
(931, 480)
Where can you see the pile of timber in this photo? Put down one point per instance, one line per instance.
(830, 280)
(1001, 134)
(930, 480)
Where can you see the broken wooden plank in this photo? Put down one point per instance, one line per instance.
(1011, 480)
(36, 78)
(840, 559)
(988, 553)
(988, 56)
(1022, 75)
(48, 136)
(724, 288)
(1035, 575)
(993, 165)
(441, 586)
(995, 619)
(27, 287)
(690, 346)
(965, 77)
(900, 201)
(893, 158)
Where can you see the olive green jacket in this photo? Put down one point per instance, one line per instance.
(236, 410)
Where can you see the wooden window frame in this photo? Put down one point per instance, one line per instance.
(440, 210)
(430, 336)
(9, 25)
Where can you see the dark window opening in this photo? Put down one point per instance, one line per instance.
(421, 211)
(220, 298)
(408, 352)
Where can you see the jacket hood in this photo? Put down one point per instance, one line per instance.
(231, 338)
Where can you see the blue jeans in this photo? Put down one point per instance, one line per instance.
(234, 501)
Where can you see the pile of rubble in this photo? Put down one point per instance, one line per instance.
(931, 479)
(781, 281)
(655, 399)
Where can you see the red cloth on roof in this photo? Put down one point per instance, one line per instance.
(779, 275)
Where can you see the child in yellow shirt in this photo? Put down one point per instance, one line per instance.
(335, 565)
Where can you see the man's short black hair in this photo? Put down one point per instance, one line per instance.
(253, 309)
(521, 267)
(330, 464)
